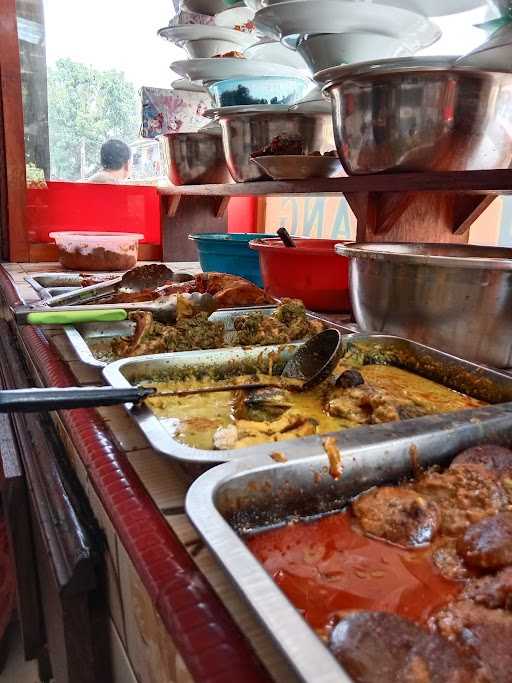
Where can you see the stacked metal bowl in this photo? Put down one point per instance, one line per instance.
(420, 114)
(391, 111)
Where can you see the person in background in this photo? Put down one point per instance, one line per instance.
(116, 164)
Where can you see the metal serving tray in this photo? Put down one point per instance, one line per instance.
(48, 285)
(81, 337)
(475, 380)
(254, 492)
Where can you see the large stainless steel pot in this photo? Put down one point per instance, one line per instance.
(248, 129)
(457, 298)
(194, 158)
(420, 114)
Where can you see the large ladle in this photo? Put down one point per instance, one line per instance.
(311, 364)
(285, 237)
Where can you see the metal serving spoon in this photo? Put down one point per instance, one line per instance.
(150, 276)
(311, 363)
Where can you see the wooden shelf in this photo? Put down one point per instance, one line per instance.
(474, 182)
(399, 207)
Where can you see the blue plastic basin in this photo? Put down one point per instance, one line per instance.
(222, 252)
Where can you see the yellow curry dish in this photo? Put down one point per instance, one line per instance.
(350, 397)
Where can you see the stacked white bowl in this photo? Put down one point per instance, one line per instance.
(329, 33)
(219, 56)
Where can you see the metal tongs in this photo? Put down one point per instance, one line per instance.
(163, 310)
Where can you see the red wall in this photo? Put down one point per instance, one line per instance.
(242, 214)
(126, 208)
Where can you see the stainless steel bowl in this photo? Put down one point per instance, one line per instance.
(420, 114)
(246, 130)
(194, 158)
(295, 167)
(457, 298)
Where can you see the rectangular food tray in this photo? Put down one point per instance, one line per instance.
(475, 380)
(255, 491)
(48, 285)
(82, 337)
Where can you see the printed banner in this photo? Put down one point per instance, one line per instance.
(167, 111)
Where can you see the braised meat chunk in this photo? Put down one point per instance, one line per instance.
(377, 647)
(369, 404)
(448, 561)
(257, 328)
(262, 404)
(494, 458)
(399, 515)
(288, 323)
(464, 494)
(292, 313)
(481, 632)
(230, 290)
(281, 144)
(491, 591)
(188, 333)
(488, 543)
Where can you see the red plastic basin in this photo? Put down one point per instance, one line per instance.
(312, 272)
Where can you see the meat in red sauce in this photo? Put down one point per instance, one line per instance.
(328, 566)
(411, 583)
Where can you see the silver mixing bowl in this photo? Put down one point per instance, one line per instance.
(248, 129)
(420, 114)
(457, 298)
(194, 158)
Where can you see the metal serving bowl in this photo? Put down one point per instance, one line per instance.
(295, 167)
(457, 298)
(420, 114)
(246, 130)
(194, 158)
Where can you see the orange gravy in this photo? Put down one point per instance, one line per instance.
(327, 566)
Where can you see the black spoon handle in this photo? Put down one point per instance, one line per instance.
(38, 400)
(285, 237)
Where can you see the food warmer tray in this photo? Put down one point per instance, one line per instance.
(82, 336)
(48, 285)
(256, 491)
(478, 381)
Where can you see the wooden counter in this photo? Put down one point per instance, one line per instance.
(171, 614)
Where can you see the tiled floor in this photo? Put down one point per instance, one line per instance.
(17, 670)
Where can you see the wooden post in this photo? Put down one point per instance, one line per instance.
(190, 214)
(12, 143)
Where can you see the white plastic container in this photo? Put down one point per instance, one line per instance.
(93, 251)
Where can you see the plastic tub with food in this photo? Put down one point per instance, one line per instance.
(97, 250)
(308, 272)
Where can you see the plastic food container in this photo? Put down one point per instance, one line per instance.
(311, 271)
(97, 250)
(222, 252)
(258, 90)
